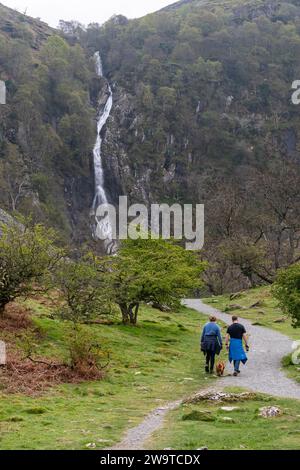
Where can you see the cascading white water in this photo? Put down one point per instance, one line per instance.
(103, 228)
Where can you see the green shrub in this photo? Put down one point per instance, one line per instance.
(286, 290)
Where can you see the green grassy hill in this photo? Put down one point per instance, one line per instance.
(155, 362)
(257, 305)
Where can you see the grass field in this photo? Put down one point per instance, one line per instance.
(155, 362)
(266, 313)
(240, 429)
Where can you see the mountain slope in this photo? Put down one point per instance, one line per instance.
(202, 112)
(47, 127)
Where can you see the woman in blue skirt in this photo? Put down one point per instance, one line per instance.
(237, 333)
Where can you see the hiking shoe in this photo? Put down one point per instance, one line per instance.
(235, 374)
(206, 369)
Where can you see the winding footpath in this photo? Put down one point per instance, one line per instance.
(262, 374)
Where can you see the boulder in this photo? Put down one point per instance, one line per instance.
(259, 303)
(162, 308)
(226, 419)
(196, 415)
(270, 412)
(219, 397)
(234, 307)
(6, 219)
(235, 295)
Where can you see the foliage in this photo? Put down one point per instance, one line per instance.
(160, 350)
(153, 271)
(27, 256)
(83, 290)
(46, 128)
(86, 354)
(286, 290)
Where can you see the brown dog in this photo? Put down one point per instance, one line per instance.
(220, 368)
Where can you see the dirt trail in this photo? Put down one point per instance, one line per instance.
(263, 371)
(262, 374)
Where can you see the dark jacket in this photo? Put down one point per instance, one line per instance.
(211, 339)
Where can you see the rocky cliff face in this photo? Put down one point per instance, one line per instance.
(200, 88)
(201, 96)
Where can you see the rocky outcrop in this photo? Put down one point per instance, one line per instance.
(5, 219)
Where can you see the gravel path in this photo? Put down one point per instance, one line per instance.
(136, 437)
(262, 373)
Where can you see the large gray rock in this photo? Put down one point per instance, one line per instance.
(2, 353)
(5, 219)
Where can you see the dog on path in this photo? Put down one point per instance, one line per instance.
(220, 368)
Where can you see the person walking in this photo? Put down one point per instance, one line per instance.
(236, 333)
(211, 343)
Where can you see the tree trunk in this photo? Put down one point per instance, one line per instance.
(2, 308)
(129, 313)
(124, 311)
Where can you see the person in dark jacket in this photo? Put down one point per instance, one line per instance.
(211, 343)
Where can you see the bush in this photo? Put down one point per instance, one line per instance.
(86, 355)
(286, 290)
(83, 290)
(27, 256)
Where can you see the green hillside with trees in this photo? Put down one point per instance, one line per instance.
(202, 114)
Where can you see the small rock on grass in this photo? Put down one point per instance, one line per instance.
(196, 415)
(229, 408)
(235, 307)
(256, 304)
(91, 445)
(217, 396)
(226, 419)
(270, 412)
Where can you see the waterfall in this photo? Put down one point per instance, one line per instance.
(102, 228)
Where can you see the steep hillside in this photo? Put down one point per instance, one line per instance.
(200, 86)
(47, 127)
(202, 112)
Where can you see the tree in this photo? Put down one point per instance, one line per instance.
(286, 290)
(83, 289)
(152, 271)
(27, 256)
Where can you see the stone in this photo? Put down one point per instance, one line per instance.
(256, 304)
(295, 345)
(226, 419)
(2, 92)
(280, 320)
(235, 307)
(270, 411)
(161, 307)
(196, 415)
(91, 445)
(218, 396)
(235, 295)
(229, 408)
(2, 353)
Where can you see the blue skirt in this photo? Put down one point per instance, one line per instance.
(236, 351)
